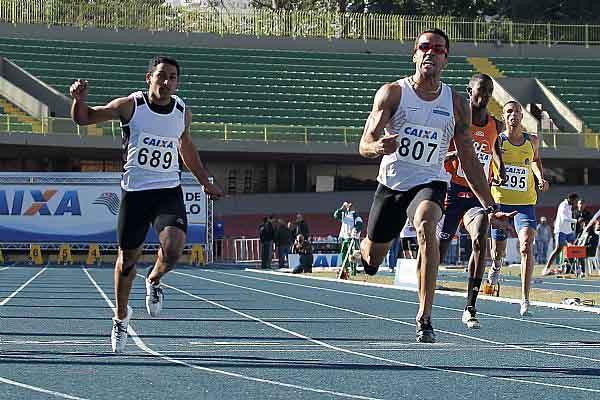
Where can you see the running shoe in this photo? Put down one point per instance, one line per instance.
(524, 311)
(118, 336)
(425, 332)
(493, 275)
(154, 298)
(469, 318)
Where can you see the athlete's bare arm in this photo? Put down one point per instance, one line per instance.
(82, 114)
(373, 142)
(191, 159)
(466, 152)
(497, 153)
(536, 165)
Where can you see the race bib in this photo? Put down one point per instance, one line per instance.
(485, 159)
(157, 153)
(419, 145)
(517, 178)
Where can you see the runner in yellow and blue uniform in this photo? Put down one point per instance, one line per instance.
(518, 193)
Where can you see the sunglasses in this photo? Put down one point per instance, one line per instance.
(425, 47)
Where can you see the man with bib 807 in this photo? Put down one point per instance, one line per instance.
(518, 193)
(411, 125)
(156, 133)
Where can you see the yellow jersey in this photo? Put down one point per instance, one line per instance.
(519, 188)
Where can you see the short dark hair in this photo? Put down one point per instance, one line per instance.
(163, 59)
(572, 196)
(435, 31)
(512, 101)
(480, 77)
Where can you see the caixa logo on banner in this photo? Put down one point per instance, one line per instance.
(68, 204)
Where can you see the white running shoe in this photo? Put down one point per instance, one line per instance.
(524, 311)
(118, 336)
(493, 275)
(154, 298)
(469, 318)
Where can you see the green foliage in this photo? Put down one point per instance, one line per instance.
(564, 11)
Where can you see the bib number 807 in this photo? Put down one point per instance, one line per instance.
(155, 158)
(416, 150)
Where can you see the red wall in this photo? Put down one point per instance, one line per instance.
(320, 224)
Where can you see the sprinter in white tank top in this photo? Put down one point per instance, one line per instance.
(411, 125)
(156, 133)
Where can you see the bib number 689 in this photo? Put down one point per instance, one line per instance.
(155, 158)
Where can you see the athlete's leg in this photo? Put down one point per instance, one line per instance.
(373, 253)
(476, 223)
(172, 241)
(427, 216)
(124, 274)
(526, 239)
(559, 243)
(386, 218)
(170, 224)
(498, 252)
(132, 227)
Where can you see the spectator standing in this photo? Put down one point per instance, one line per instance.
(350, 230)
(582, 216)
(283, 241)
(266, 234)
(301, 227)
(564, 228)
(544, 236)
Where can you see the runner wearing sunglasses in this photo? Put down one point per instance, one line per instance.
(411, 125)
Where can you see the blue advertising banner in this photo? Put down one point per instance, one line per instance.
(78, 212)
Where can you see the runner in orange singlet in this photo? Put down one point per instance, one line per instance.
(461, 203)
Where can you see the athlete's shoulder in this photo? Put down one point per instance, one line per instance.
(389, 95)
(179, 103)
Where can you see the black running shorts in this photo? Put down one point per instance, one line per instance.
(391, 208)
(159, 207)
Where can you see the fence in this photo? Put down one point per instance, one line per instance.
(294, 24)
(263, 133)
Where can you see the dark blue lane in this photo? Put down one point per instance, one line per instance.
(55, 335)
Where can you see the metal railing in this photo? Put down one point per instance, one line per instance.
(226, 132)
(314, 24)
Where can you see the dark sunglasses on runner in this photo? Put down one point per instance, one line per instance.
(425, 47)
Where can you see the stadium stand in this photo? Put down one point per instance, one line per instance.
(575, 81)
(318, 93)
(13, 119)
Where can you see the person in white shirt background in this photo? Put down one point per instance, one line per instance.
(564, 228)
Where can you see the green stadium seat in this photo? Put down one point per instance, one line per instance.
(296, 95)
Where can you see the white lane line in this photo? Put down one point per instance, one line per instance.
(399, 322)
(23, 286)
(140, 343)
(23, 385)
(3, 268)
(460, 310)
(41, 390)
(594, 310)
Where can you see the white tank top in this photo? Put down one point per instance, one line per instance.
(425, 129)
(151, 143)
